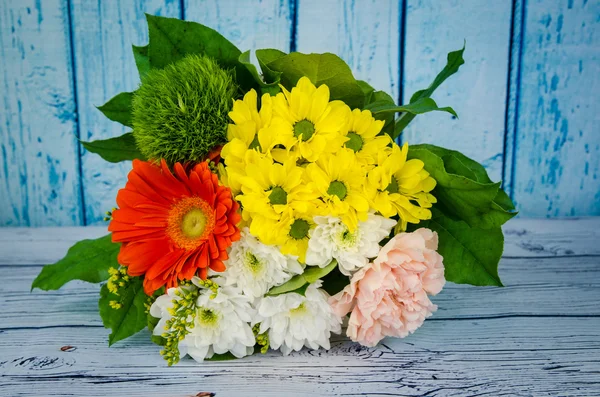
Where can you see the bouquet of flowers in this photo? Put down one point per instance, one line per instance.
(265, 208)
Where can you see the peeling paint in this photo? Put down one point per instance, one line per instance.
(553, 161)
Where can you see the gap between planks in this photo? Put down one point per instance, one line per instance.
(527, 238)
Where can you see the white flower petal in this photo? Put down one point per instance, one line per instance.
(255, 267)
(331, 239)
(294, 321)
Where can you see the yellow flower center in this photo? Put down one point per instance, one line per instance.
(297, 311)
(191, 220)
(304, 129)
(253, 263)
(207, 317)
(337, 188)
(355, 142)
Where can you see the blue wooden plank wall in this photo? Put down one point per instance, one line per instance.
(527, 97)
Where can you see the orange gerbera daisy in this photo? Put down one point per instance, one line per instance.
(173, 225)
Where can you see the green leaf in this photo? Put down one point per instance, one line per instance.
(116, 149)
(421, 106)
(321, 69)
(131, 317)
(335, 281)
(222, 357)
(140, 54)
(300, 282)
(471, 255)
(463, 190)
(367, 90)
(87, 260)
(454, 61)
(172, 39)
(157, 339)
(503, 201)
(458, 163)
(266, 56)
(119, 108)
(265, 88)
(153, 321)
(383, 98)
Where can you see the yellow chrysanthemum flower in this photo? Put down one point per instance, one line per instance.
(271, 190)
(250, 129)
(306, 116)
(229, 180)
(401, 187)
(340, 181)
(361, 131)
(291, 233)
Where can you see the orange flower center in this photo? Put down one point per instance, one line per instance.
(191, 221)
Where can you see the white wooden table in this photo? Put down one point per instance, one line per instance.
(538, 336)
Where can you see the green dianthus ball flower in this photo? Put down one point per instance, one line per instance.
(180, 113)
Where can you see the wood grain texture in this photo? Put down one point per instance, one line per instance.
(524, 238)
(103, 33)
(530, 290)
(365, 34)
(538, 336)
(250, 24)
(495, 357)
(39, 160)
(477, 92)
(557, 167)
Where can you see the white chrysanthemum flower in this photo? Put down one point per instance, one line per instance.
(221, 324)
(331, 239)
(256, 267)
(294, 321)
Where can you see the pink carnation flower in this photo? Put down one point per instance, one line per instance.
(389, 297)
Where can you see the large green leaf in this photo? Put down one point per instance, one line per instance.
(420, 106)
(383, 98)
(87, 260)
(116, 149)
(454, 61)
(458, 163)
(222, 357)
(300, 282)
(471, 255)
(172, 39)
(321, 69)
(266, 56)
(463, 190)
(140, 54)
(335, 281)
(119, 108)
(265, 88)
(367, 90)
(131, 317)
(157, 339)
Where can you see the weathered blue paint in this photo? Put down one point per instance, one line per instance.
(556, 168)
(249, 24)
(39, 173)
(478, 92)
(103, 33)
(527, 96)
(365, 34)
